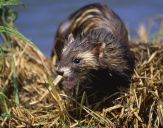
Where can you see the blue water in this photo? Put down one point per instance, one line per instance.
(39, 19)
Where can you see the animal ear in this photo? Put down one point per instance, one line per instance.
(70, 38)
(99, 49)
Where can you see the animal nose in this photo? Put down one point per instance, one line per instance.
(59, 72)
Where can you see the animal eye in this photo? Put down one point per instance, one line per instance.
(77, 60)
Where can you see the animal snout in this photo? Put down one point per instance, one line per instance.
(59, 72)
(64, 71)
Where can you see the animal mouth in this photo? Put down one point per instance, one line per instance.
(69, 83)
(68, 78)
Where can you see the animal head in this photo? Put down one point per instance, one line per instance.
(82, 55)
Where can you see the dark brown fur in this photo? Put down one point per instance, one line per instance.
(100, 17)
(96, 56)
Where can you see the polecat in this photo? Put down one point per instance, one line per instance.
(92, 51)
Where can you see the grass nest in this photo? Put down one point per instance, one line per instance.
(29, 96)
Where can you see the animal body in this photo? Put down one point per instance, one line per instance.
(92, 52)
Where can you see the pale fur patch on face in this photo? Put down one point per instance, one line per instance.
(64, 49)
(66, 70)
(88, 58)
(70, 40)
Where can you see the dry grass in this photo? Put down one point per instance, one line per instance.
(29, 96)
(41, 104)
